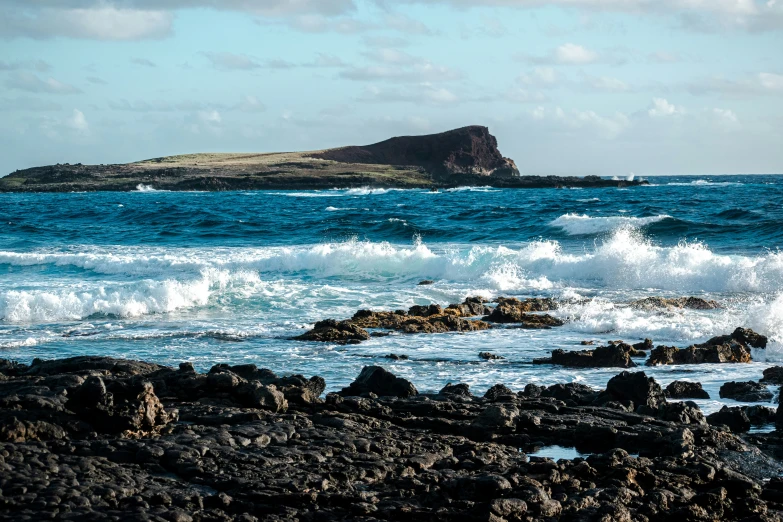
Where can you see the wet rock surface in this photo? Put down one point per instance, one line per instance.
(612, 356)
(663, 303)
(686, 390)
(730, 352)
(250, 445)
(745, 392)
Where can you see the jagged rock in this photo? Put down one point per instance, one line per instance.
(331, 331)
(773, 375)
(461, 390)
(634, 389)
(732, 352)
(374, 379)
(395, 357)
(587, 343)
(749, 391)
(744, 336)
(498, 391)
(83, 364)
(471, 307)
(759, 415)
(426, 282)
(644, 346)
(658, 303)
(572, 393)
(612, 356)
(120, 406)
(686, 390)
(419, 319)
(512, 310)
(487, 356)
(735, 418)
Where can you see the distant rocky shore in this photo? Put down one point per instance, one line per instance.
(95, 438)
(468, 156)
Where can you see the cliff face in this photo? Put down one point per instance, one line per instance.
(465, 151)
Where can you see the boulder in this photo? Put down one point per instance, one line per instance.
(759, 415)
(490, 356)
(731, 352)
(612, 356)
(118, 406)
(331, 331)
(744, 336)
(749, 391)
(735, 418)
(773, 375)
(686, 390)
(511, 310)
(634, 389)
(572, 393)
(461, 390)
(663, 303)
(498, 391)
(374, 379)
(471, 307)
(426, 282)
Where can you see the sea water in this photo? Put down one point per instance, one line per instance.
(231, 276)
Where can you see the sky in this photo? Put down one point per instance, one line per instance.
(569, 87)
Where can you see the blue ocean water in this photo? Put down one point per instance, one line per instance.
(229, 277)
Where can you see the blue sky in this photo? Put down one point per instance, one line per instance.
(608, 87)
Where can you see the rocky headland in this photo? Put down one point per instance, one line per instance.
(461, 157)
(95, 438)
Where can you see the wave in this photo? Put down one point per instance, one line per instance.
(367, 191)
(702, 183)
(581, 224)
(118, 300)
(339, 209)
(472, 189)
(148, 188)
(173, 280)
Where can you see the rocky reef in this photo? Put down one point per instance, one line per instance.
(94, 438)
(461, 157)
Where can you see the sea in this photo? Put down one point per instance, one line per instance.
(230, 277)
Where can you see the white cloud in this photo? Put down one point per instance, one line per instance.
(574, 54)
(608, 127)
(606, 83)
(422, 93)
(725, 115)
(101, 22)
(31, 82)
(661, 108)
(78, 122)
(771, 81)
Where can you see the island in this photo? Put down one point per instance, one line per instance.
(467, 156)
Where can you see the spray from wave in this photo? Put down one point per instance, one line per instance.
(581, 224)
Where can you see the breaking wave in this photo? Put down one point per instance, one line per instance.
(581, 224)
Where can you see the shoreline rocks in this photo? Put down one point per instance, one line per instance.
(376, 451)
(686, 390)
(745, 392)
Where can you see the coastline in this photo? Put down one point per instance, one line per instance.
(119, 438)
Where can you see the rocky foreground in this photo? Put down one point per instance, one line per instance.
(460, 157)
(93, 438)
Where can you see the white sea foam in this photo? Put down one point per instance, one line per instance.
(147, 188)
(168, 280)
(367, 191)
(472, 189)
(339, 209)
(581, 224)
(703, 183)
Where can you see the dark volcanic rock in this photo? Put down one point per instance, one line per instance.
(374, 379)
(121, 406)
(613, 356)
(466, 151)
(425, 282)
(471, 307)
(759, 415)
(732, 352)
(421, 319)
(635, 389)
(487, 356)
(331, 331)
(462, 390)
(512, 310)
(658, 303)
(735, 418)
(686, 390)
(428, 457)
(773, 375)
(749, 391)
(744, 336)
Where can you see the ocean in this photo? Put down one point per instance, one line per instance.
(212, 277)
